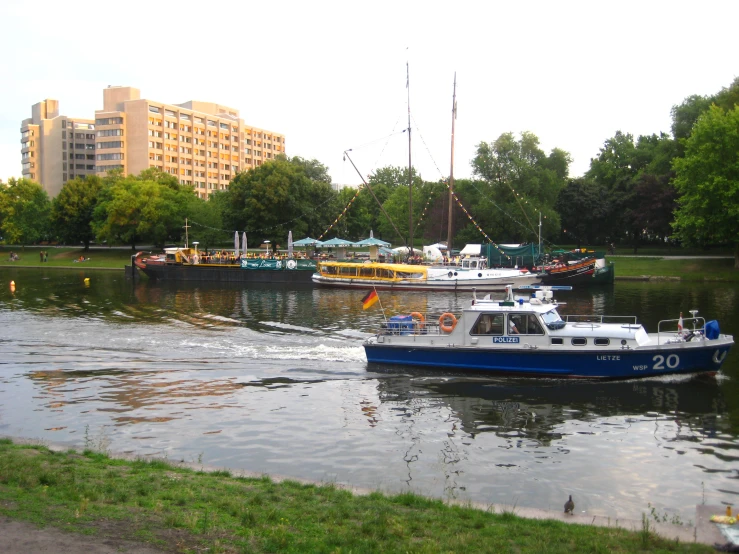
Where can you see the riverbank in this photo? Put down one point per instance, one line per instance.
(633, 268)
(185, 508)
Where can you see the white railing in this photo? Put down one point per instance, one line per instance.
(692, 327)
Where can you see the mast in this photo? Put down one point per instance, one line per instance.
(451, 171)
(410, 166)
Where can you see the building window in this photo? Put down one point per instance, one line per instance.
(211, 123)
(185, 116)
(109, 133)
(170, 113)
(64, 126)
(111, 144)
(105, 157)
(155, 109)
(109, 121)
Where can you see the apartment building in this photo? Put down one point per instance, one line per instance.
(202, 143)
(56, 148)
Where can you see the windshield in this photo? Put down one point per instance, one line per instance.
(551, 317)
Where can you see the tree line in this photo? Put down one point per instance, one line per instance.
(673, 188)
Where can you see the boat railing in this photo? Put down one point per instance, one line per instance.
(410, 328)
(593, 318)
(670, 331)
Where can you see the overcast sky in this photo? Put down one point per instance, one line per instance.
(331, 76)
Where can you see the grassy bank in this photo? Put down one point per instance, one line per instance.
(66, 257)
(187, 511)
(694, 269)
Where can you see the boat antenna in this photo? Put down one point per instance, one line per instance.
(369, 188)
(410, 165)
(187, 244)
(380, 301)
(451, 171)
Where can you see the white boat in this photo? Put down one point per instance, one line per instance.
(472, 273)
(527, 336)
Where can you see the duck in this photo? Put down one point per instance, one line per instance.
(570, 506)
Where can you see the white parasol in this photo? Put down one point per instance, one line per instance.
(243, 242)
(236, 244)
(289, 244)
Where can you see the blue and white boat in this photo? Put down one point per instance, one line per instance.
(527, 336)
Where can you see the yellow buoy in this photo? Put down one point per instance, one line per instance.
(87, 281)
(12, 286)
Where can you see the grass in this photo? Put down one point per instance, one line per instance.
(100, 257)
(695, 269)
(190, 511)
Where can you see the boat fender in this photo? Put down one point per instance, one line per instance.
(443, 322)
(450, 274)
(479, 274)
(419, 315)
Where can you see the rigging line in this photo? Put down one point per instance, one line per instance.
(382, 152)
(387, 137)
(343, 213)
(509, 216)
(369, 187)
(428, 151)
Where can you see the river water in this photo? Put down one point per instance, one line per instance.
(274, 380)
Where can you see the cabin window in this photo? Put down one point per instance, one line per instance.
(578, 341)
(348, 271)
(488, 324)
(366, 272)
(524, 324)
(557, 341)
(552, 320)
(405, 275)
(602, 342)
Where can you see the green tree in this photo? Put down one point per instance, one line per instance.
(708, 180)
(313, 169)
(278, 197)
(397, 208)
(72, 210)
(632, 174)
(582, 208)
(135, 209)
(521, 181)
(24, 212)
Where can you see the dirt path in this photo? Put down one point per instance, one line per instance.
(20, 537)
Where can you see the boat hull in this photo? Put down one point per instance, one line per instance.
(605, 364)
(225, 274)
(452, 285)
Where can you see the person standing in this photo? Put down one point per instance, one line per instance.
(46, 256)
(41, 256)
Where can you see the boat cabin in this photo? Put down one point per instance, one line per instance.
(517, 322)
(473, 263)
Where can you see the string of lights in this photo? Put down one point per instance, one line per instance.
(343, 212)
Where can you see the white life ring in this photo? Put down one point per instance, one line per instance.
(292, 264)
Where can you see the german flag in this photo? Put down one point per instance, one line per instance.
(370, 299)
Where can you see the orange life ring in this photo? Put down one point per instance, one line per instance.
(419, 315)
(443, 326)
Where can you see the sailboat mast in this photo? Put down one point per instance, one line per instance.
(410, 165)
(451, 171)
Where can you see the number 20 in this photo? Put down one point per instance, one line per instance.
(672, 361)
